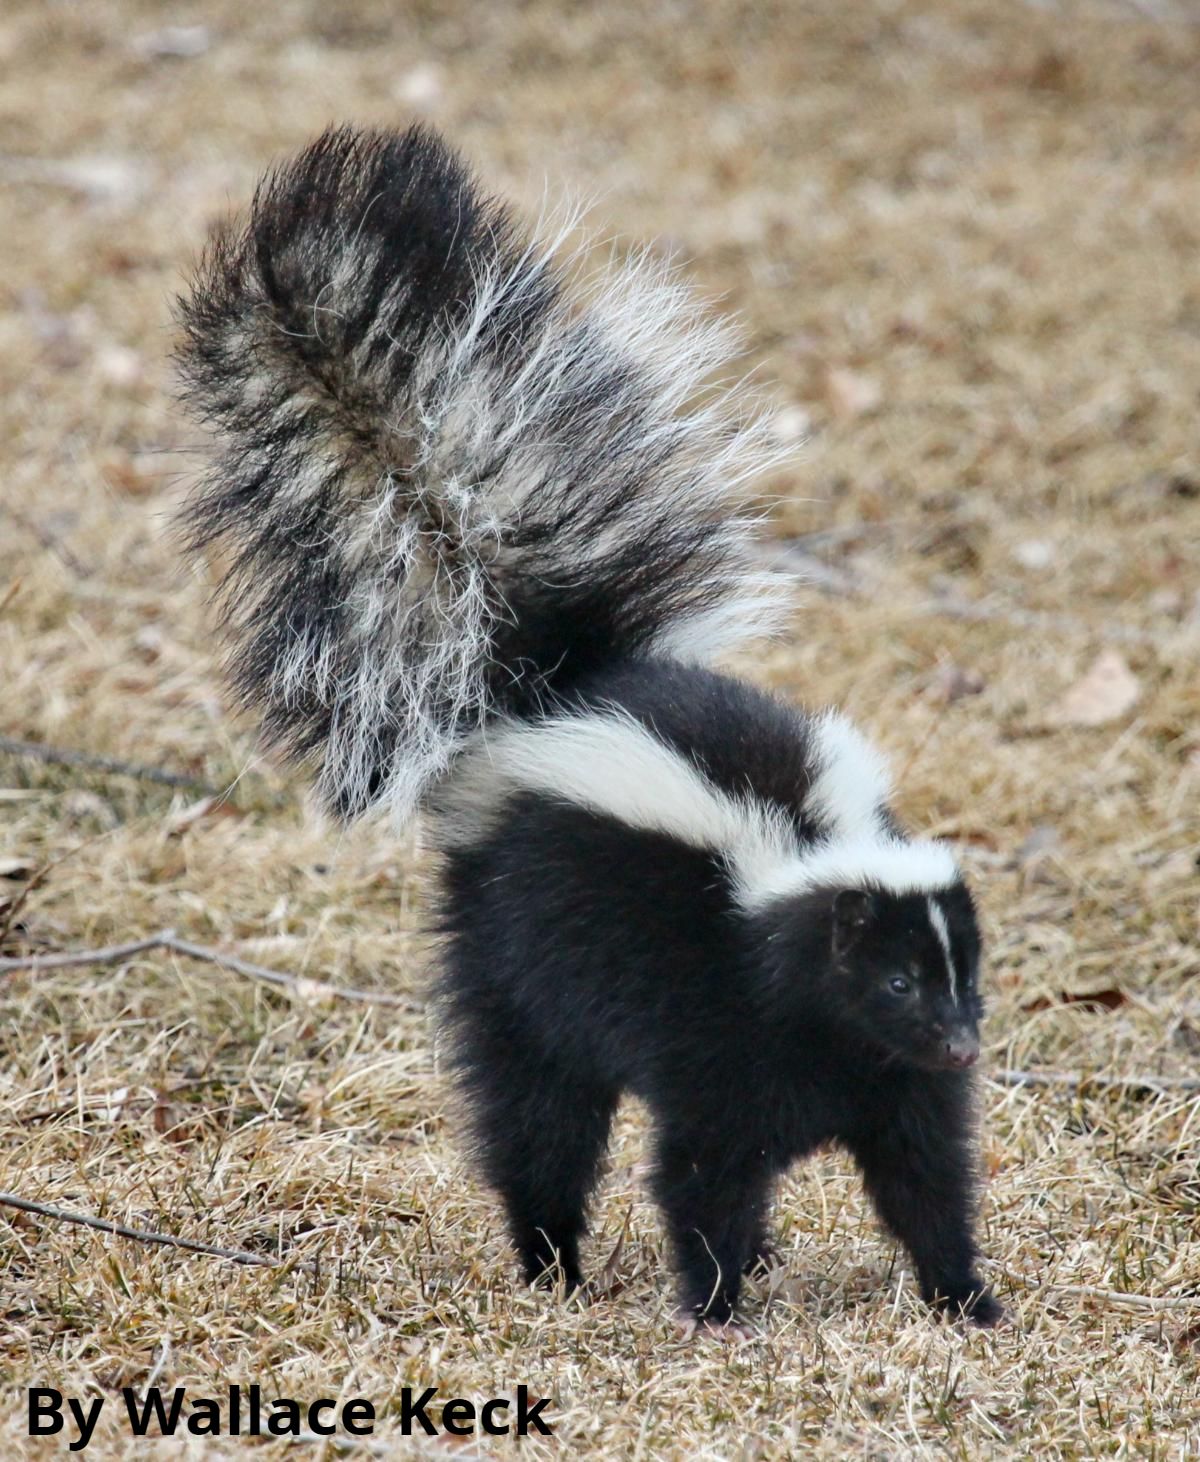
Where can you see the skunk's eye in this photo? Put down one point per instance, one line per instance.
(898, 985)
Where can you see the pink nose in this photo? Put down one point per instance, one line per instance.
(962, 1051)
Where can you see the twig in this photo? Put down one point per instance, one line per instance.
(302, 985)
(167, 939)
(145, 1236)
(1121, 1297)
(35, 882)
(810, 570)
(1078, 1080)
(64, 756)
(843, 583)
(1036, 619)
(110, 955)
(49, 541)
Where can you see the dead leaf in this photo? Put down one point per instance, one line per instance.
(850, 393)
(1035, 554)
(172, 42)
(1103, 693)
(101, 178)
(123, 474)
(81, 806)
(316, 992)
(790, 425)
(119, 365)
(1053, 71)
(1109, 999)
(215, 806)
(952, 682)
(607, 1284)
(420, 87)
(1042, 840)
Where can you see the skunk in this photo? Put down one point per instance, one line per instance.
(482, 537)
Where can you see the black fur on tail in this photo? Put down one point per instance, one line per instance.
(444, 484)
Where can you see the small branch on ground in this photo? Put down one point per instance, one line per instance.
(65, 756)
(1120, 1297)
(301, 985)
(1077, 1080)
(811, 571)
(48, 540)
(1036, 619)
(39, 877)
(146, 1236)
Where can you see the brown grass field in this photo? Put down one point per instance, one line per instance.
(964, 239)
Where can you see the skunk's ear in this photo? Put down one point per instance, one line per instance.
(853, 911)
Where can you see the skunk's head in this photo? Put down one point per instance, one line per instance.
(904, 973)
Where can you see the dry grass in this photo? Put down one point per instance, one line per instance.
(989, 214)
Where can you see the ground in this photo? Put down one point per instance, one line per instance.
(962, 239)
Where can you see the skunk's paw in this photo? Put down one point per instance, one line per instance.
(687, 1327)
(977, 1305)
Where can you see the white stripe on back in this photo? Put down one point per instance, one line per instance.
(608, 762)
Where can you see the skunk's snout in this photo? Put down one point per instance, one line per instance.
(962, 1049)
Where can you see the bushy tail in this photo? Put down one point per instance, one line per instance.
(445, 488)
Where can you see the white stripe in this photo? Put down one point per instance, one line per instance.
(611, 764)
(938, 920)
(852, 784)
(892, 865)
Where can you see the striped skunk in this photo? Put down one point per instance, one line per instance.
(482, 536)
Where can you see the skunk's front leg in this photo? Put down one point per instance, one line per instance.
(714, 1202)
(917, 1162)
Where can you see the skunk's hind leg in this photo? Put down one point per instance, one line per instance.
(540, 1132)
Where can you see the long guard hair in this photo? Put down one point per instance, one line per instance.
(443, 479)
(480, 523)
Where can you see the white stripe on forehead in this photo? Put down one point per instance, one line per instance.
(938, 920)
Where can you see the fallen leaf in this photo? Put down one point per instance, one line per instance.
(420, 87)
(119, 365)
(952, 682)
(101, 178)
(176, 42)
(1035, 554)
(215, 806)
(1110, 999)
(790, 425)
(607, 1285)
(81, 806)
(850, 393)
(316, 992)
(1103, 693)
(1053, 71)
(1043, 841)
(123, 474)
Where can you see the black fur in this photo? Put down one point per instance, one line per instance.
(395, 488)
(585, 959)
(452, 497)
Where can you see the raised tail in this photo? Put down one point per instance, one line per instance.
(444, 486)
